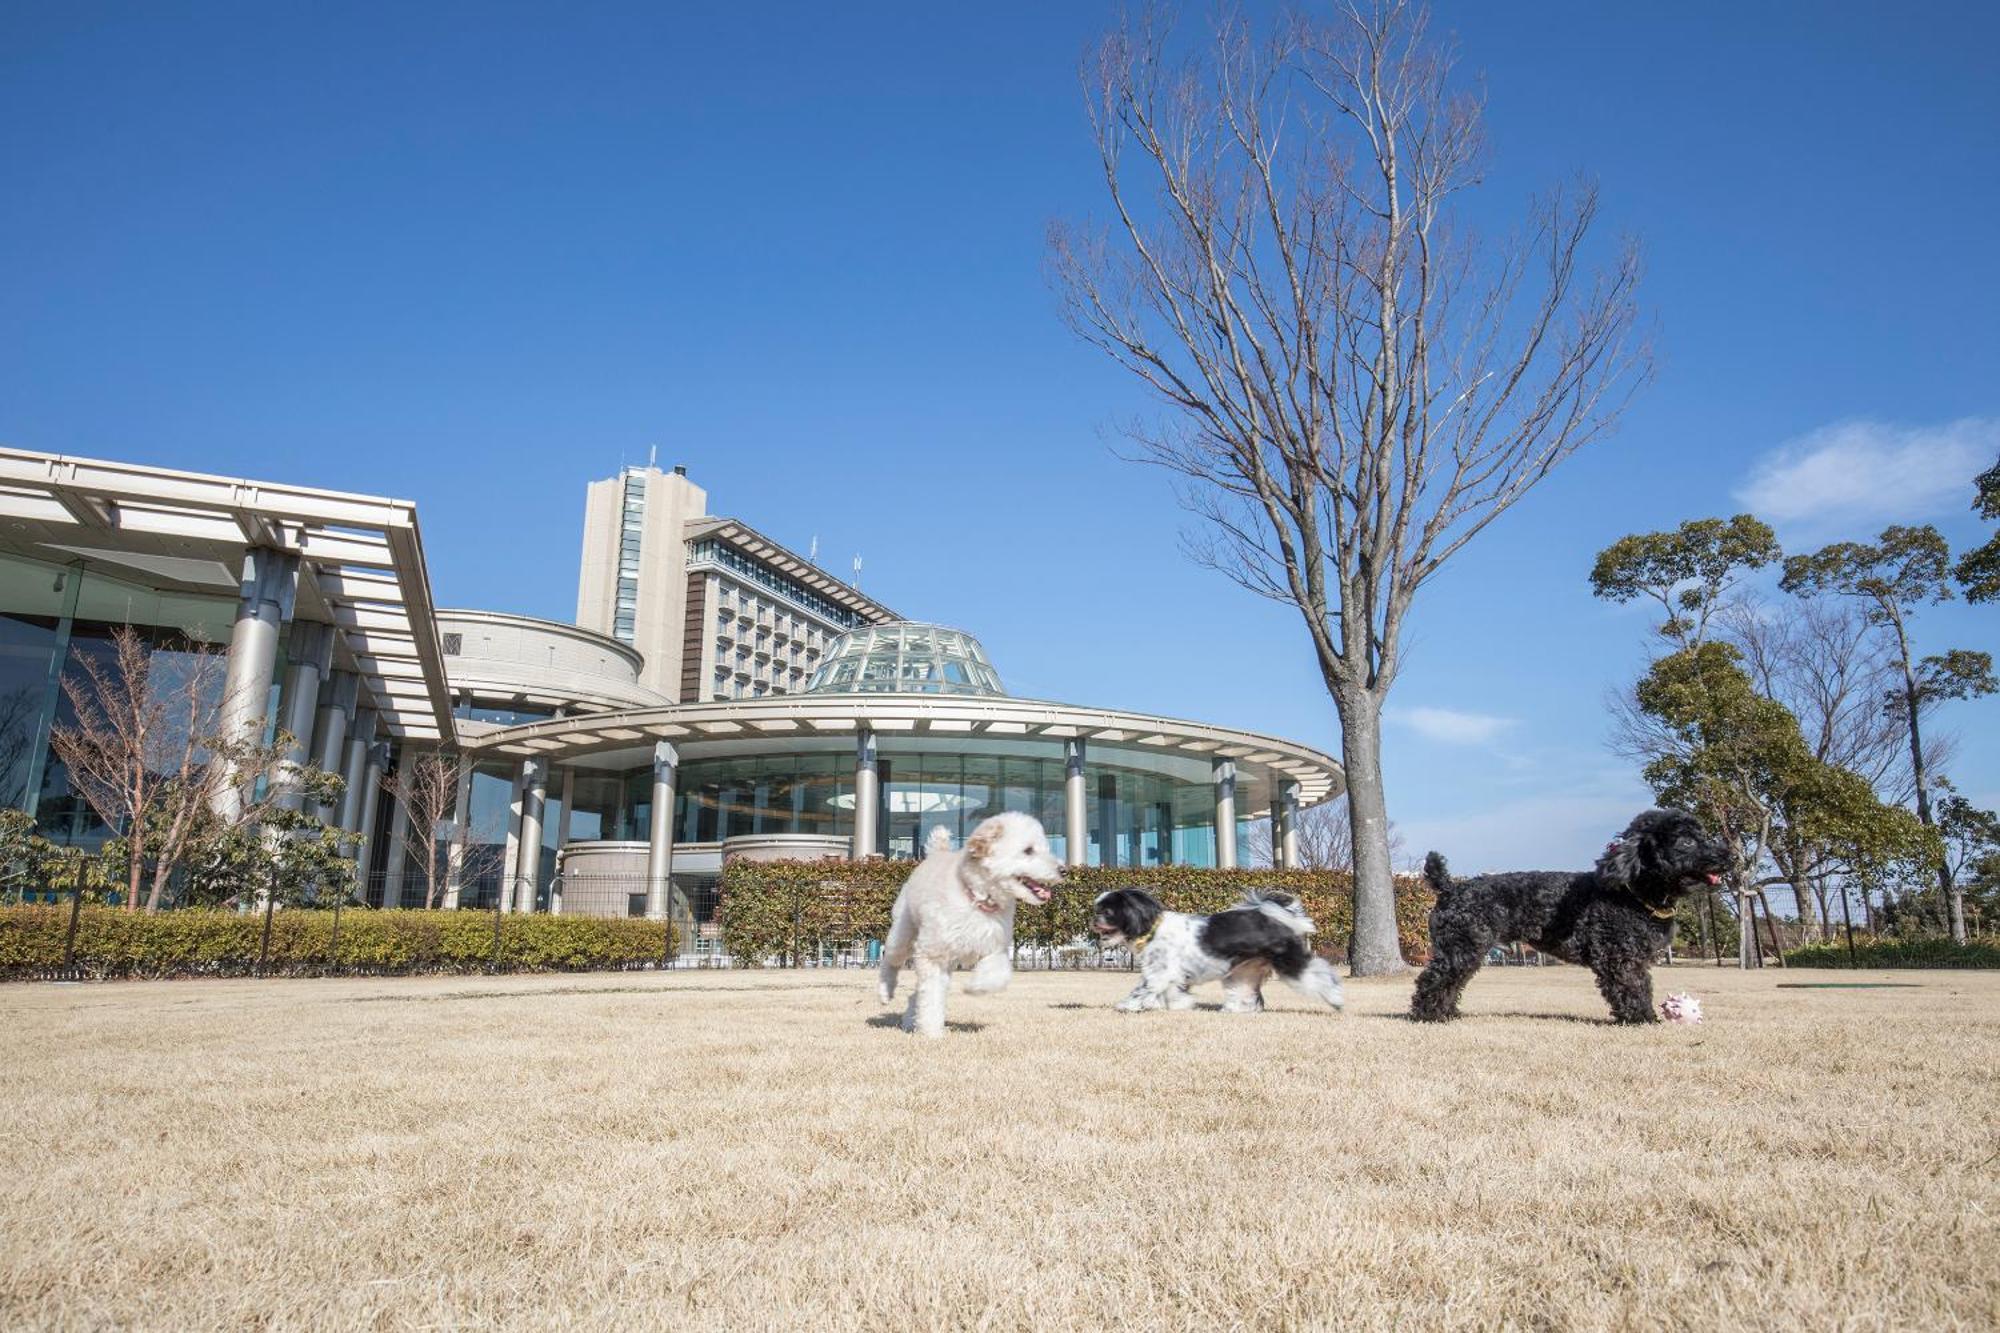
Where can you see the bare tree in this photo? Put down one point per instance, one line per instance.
(1325, 838)
(1823, 662)
(426, 784)
(1357, 385)
(139, 751)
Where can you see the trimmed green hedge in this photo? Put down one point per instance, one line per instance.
(1935, 952)
(795, 910)
(115, 943)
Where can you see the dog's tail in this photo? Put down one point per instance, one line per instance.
(1437, 874)
(939, 841)
(1282, 908)
(1319, 981)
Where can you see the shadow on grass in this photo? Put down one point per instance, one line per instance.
(1197, 1008)
(895, 1021)
(1476, 1017)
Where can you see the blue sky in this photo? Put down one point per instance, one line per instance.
(478, 255)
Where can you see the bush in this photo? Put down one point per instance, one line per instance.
(113, 943)
(1933, 952)
(793, 910)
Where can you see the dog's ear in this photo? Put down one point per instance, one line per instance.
(980, 845)
(1142, 909)
(1620, 864)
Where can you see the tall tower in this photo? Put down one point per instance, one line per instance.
(633, 583)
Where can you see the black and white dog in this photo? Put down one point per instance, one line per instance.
(1239, 947)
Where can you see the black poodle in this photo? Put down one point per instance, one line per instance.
(1614, 920)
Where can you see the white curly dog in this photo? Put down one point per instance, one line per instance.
(957, 910)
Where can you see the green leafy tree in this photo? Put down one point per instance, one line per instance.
(27, 860)
(1719, 747)
(1690, 571)
(1970, 838)
(281, 849)
(1905, 569)
(1979, 569)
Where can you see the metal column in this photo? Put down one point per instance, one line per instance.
(867, 795)
(1285, 827)
(660, 845)
(265, 592)
(528, 866)
(1076, 815)
(1225, 814)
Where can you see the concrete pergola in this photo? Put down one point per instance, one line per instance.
(344, 572)
(1297, 775)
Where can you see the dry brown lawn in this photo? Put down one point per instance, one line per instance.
(756, 1150)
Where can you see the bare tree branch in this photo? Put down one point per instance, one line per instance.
(1355, 386)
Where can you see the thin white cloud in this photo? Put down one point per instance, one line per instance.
(1449, 726)
(1871, 470)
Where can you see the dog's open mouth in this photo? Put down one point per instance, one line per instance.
(1041, 891)
(1712, 877)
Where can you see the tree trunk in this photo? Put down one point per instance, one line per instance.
(1920, 776)
(1377, 949)
(1746, 933)
(1803, 897)
(1701, 919)
(161, 874)
(135, 870)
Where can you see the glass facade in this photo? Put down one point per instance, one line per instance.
(906, 658)
(53, 618)
(499, 714)
(1144, 808)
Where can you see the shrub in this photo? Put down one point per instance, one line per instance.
(196, 942)
(1983, 952)
(793, 910)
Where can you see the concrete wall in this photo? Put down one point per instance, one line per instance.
(505, 656)
(659, 626)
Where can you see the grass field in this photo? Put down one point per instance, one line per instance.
(757, 1150)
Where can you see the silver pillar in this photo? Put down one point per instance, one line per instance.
(1076, 814)
(371, 781)
(393, 868)
(660, 849)
(867, 795)
(510, 856)
(1285, 826)
(264, 604)
(336, 717)
(359, 738)
(1225, 814)
(454, 853)
(310, 650)
(528, 870)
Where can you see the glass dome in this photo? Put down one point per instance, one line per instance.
(905, 658)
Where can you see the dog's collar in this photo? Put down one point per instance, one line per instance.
(1657, 913)
(1138, 946)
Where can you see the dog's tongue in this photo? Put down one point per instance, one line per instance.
(1714, 878)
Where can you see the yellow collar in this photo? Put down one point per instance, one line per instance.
(1138, 946)
(1659, 913)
